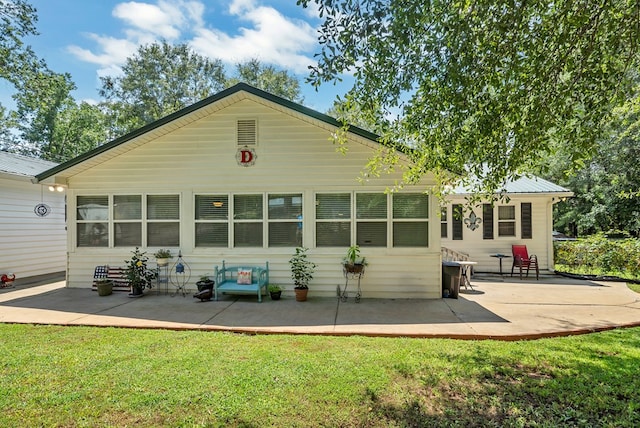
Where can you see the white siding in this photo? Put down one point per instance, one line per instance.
(30, 245)
(293, 155)
(480, 249)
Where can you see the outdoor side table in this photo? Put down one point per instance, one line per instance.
(500, 257)
(464, 276)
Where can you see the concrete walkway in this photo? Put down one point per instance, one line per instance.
(507, 309)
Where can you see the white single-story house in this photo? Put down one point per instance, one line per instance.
(524, 217)
(246, 177)
(32, 220)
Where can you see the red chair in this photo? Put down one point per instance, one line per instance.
(523, 260)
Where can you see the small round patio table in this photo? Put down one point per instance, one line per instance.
(500, 257)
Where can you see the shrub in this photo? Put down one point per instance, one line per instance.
(598, 254)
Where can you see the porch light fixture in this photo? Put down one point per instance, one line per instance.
(56, 188)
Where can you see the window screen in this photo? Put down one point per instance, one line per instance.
(333, 220)
(507, 220)
(248, 217)
(92, 214)
(285, 220)
(410, 220)
(163, 220)
(371, 219)
(212, 220)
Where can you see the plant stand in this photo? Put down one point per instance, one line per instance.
(351, 275)
(162, 278)
(180, 275)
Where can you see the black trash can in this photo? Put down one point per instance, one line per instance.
(451, 276)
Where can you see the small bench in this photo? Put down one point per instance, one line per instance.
(241, 279)
(118, 275)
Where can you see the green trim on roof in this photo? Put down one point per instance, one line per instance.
(203, 103)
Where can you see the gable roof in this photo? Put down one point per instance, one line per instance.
(207, 105)
(23, 166)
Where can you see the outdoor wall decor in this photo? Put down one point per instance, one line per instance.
(473, 221)
(246, 156)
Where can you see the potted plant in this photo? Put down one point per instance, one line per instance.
(301, 272)
(275, 291)
(205, 283)
(104, 286)
(138, 274)
(352, 262)
(162, 257)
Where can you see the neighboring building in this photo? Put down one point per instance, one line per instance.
(245, 176)
(526, 218)
(32, 220)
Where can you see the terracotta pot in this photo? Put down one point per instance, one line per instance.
(301, 294)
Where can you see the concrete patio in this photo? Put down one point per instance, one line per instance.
(499, 308)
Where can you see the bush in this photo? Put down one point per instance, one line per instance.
(600, 255)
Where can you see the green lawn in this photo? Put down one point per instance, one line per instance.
(87, 377)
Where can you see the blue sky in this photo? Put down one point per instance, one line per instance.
(92, 38)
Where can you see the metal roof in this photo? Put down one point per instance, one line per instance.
(525, 184)
(14, 164)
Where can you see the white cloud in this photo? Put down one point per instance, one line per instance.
(265, 34)
(270, 37)
(113, 51)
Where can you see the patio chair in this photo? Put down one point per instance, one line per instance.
(523, 260)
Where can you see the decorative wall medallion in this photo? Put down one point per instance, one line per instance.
(42, 210)
(473, 222)
(246, 156)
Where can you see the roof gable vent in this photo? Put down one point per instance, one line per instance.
(247, 132)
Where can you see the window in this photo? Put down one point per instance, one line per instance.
(247, 220)
(443, 222)
(333, 220)
(410, 220)
(120, 216)
(285, 220)
(371, 219)
(163, 220)
(525, 219)
(456, 222)
(487, 221)
(127, 220)
(212, 220)
(507, 220)
(280, 219)
(92, 214)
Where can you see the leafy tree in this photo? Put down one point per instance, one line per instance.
(607, 188)
(79, 128)
(268, 78)
(17, 20)
(40, 97)
(158, 80)
(482, 88)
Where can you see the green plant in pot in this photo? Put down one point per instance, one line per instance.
(205, 283)
(162, 257)
(275, 291)
(353, 262)
(301, 272)
(104, 286)
(138, 274)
